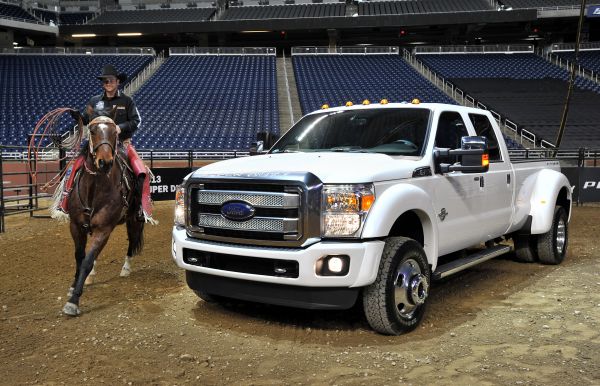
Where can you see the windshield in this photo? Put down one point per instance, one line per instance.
(390, 131)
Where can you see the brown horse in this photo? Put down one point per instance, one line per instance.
(105, 194)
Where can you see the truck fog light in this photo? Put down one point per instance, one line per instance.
(335, 265)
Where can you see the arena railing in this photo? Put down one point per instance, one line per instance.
(525, 137)
(485, 49)
(80, 51)
(567, 64)
(16, 153)
(250, 51)
(347, 50)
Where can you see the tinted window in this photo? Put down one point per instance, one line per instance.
(394, 131)
(483, 127)
(450, 130)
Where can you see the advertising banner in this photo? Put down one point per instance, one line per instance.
(589, 185)
(164, 182)
(593, 11)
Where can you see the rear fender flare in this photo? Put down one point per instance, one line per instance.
(544, 196)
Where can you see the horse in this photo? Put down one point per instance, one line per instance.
(105, 194)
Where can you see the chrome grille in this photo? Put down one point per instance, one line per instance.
(262, 199)
(255, 224)
(278, 215)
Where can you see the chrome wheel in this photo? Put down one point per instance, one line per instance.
(561, 235)
(411, 288)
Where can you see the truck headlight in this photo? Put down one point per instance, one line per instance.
(179, 214)
(345, 208)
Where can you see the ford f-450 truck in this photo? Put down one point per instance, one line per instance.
(372, 203)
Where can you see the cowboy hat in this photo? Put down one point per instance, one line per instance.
(110, 70)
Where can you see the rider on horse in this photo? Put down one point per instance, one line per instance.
(121, 108)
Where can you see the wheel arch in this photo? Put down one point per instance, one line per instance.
(413, 218)
(551, 188)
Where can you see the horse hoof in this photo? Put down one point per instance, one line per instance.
(70, 292)
(71, 309)
(125, 272)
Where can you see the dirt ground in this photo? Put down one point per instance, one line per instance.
(501, 322)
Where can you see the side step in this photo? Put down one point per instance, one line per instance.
(466, 262)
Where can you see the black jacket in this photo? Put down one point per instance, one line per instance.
(121, 109)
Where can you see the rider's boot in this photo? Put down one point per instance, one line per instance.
(140, 171)
(64, 202)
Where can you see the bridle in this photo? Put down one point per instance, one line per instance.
(94, 147)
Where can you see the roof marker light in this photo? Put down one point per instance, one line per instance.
(366, 102)
(384, 102)
(415, 101)
(348, 104)
(325, 106)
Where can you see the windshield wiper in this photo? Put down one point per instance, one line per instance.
(350, 149)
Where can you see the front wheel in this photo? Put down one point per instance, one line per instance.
(395, 302)
(552, 245)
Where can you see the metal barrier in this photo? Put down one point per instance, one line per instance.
(485, 49)
(79, 51)
(21, 193)
(347, 50)
(250, 51)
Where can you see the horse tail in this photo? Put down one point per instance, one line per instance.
(135, 233)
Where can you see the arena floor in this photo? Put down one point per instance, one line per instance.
(501, 322)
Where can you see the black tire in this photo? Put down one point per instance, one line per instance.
(390, 309)
(525, 248)
(552, 245)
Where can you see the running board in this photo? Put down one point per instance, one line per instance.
(466, 262)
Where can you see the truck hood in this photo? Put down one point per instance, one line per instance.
(328, 167)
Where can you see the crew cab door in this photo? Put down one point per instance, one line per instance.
(458, 197)
(497, 183)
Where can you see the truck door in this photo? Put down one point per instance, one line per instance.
(497, 182)
(458, 197)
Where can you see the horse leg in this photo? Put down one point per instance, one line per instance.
(80, 239)
(99, 239)
(135, 234)
(92, 275)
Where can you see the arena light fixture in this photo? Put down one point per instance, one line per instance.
(129, 34)
(254, 32)
(83, 35)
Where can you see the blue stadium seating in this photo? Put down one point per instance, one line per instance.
(513, 66)
(587, 59)
(528, 90)
(336, 79)
(421, 6)
(32, 85)
(75, 17)
(15, 12)
(208, 102)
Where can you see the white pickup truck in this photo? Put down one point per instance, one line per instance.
(373, 202)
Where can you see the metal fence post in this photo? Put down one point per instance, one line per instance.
(1, 193)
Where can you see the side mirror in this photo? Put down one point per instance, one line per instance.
(257, 148)
(473, 156)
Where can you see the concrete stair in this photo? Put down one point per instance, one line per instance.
(287, 94)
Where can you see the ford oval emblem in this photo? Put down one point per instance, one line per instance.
(237, 210)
